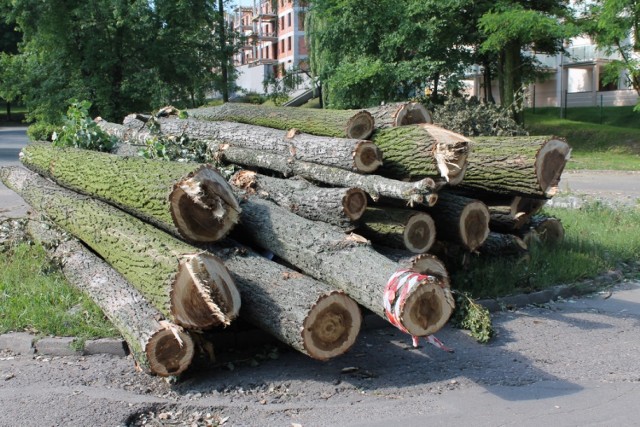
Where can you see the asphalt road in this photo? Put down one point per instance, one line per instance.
(12, 139)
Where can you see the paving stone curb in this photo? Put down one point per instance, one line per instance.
(26, 344)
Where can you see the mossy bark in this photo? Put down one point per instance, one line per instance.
(149, 189)
(165, 270)
(420, 151)
(350, 154)
(528, 166)
(336, 123)
(135, 318)
(337, 206)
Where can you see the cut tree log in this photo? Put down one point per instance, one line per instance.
(400, 114)
(301, 312)
(461, 219)
(503, 221)
(337, 206)
(502, 245)
(336, 123)
(346, 262)
(420, 192)
(542, 229)
(157, 345)
(421, 151)
(350, 154)
(407, 229)
(186, 199)
(528, 166)
(188, 286)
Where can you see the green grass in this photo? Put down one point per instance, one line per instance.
(597, 238)
(613, 145)
(35, 297)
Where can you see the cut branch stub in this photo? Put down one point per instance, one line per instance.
(169, 351)
(204, 294)
(332, 326)
(203, 207)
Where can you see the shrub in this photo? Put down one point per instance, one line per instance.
(80, 131)
(41, 131)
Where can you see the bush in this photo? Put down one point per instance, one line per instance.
(41, 131)
(80, 131)
(470, 117)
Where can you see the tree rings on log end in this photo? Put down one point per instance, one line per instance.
(428, 308)
(419, 233)
(169, 351)
(550, 162)
(546, 230)
(203, 206)
(450, 150)
(331, 326)
(367, 157)
(412, 113)
(360, 125)
(474, 224)
(204, 294)
(354, 203)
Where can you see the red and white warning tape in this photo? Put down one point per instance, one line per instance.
(399, 286)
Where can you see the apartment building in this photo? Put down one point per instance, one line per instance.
(571, 79)
(274, 40)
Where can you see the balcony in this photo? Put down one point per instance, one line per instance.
(265, 17)
(262, 36)
(262, 61)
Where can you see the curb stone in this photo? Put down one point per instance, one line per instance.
(27, 344)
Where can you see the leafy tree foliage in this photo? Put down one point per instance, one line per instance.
(124, 55)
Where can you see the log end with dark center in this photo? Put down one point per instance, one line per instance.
(412, 113)
(419, 233)
(474, 224)
(367, 157)
(203, 206)
(331, 326)
(203, 294)
(354, 203)
(360, 125)
(169, 351)
(427, 309)
(550, 162)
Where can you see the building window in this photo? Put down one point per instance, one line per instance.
(289, 20)
(301, 18)
(282, 22)
(281, 46)
(289, 43)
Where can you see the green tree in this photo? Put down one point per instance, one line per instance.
(9, 39)
(615, 27)
(511, 26)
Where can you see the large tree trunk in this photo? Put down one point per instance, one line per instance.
(400, 114)
(348, 263)
(157, 345)
(399, 228)
(188, 286)
(528, 166)
(336, 123)
(502, 245)
(306, 314)
(461, 220)
(188, 200)
(350, 154)
(420, 151)
(336, 206)
(420, 192)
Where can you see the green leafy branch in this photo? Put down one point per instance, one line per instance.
(473, 317)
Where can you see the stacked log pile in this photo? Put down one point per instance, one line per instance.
(351, 204)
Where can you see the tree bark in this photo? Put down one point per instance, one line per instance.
(301, 312)
(399, 228)
(188, 200)
(400, 114)
(336, 123)
(528, 166)
(351, 154)
(420, 151)
(188, 286)
(158, 346)
(420, 192)
(461, 220)
(542, 229)
(346, 262)
(502, 245)
(337, 206)
(503, 221)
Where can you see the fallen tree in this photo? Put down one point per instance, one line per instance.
(188, 286)
(407, 229)
(421, 151)
(157, 345)
(348, 263)
(399, 114)
(336, 123)
(188, 200)
(336, 206)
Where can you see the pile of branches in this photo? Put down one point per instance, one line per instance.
(307, 216)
